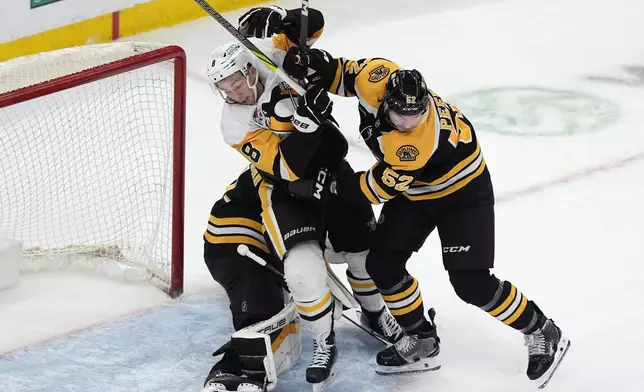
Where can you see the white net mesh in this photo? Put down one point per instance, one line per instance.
(87, 172)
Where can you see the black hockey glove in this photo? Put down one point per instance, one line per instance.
(263, 22)
(317, 66)
(316, 190)
(313, 109)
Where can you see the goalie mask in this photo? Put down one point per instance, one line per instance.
(231, 74)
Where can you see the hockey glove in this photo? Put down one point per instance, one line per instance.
(313, 109)
(263, 22)
(316, 190)
(317, 66)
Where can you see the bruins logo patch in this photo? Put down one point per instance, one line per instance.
(378, 73)
(407, 153)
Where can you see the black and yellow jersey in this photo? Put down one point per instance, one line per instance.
(236, 217)
(263, 133)
(433, 160)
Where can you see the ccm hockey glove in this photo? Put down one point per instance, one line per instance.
(316, 190)
(313, 109)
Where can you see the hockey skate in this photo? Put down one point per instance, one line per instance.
(546, 348)
(320, 372)
(411, 354)
(381, 323)
(221, 381)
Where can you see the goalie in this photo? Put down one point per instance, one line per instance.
(267, 340)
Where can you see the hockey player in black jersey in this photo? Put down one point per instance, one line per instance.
(286, 137)
(430, 174)
(255, 294)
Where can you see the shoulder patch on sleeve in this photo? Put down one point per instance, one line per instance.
(379, 73)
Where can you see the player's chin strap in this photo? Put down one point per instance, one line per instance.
(254, 85)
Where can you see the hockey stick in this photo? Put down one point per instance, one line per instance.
(245, 251)
(304, 28)
(254, 49)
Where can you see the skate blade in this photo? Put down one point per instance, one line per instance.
(562, 349)
(326, 384)
(428, 365)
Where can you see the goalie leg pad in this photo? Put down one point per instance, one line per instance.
(269, 348)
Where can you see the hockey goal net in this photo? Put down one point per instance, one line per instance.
(92, 157)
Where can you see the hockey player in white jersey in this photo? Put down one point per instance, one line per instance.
(286, 137)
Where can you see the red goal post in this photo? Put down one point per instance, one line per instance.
(92, 150)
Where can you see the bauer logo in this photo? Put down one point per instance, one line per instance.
(301, 230)
(39, 3)
(378, 73)
(407, 153)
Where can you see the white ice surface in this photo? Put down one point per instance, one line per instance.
(569, 211)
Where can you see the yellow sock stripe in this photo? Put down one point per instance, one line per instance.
(499, 309)
(326, 300)
(235, 239)
(367, 285)
(409, 308)
(404, 294)
(517, 313)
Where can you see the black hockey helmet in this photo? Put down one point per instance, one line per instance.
(406, 93)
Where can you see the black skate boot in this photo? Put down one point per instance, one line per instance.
(412, 353)
(546, 348)
(220, 380)
(227, 374)
(382, 323)
(320, 372)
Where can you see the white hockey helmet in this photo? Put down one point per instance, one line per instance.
(226, 60)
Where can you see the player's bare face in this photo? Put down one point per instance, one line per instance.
(236, 88)
(406, 123)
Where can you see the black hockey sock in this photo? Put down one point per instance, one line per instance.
(406, 304)
(513, 308)
(501, 299)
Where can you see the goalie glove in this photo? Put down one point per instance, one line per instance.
(313, 109)
(263, 22)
